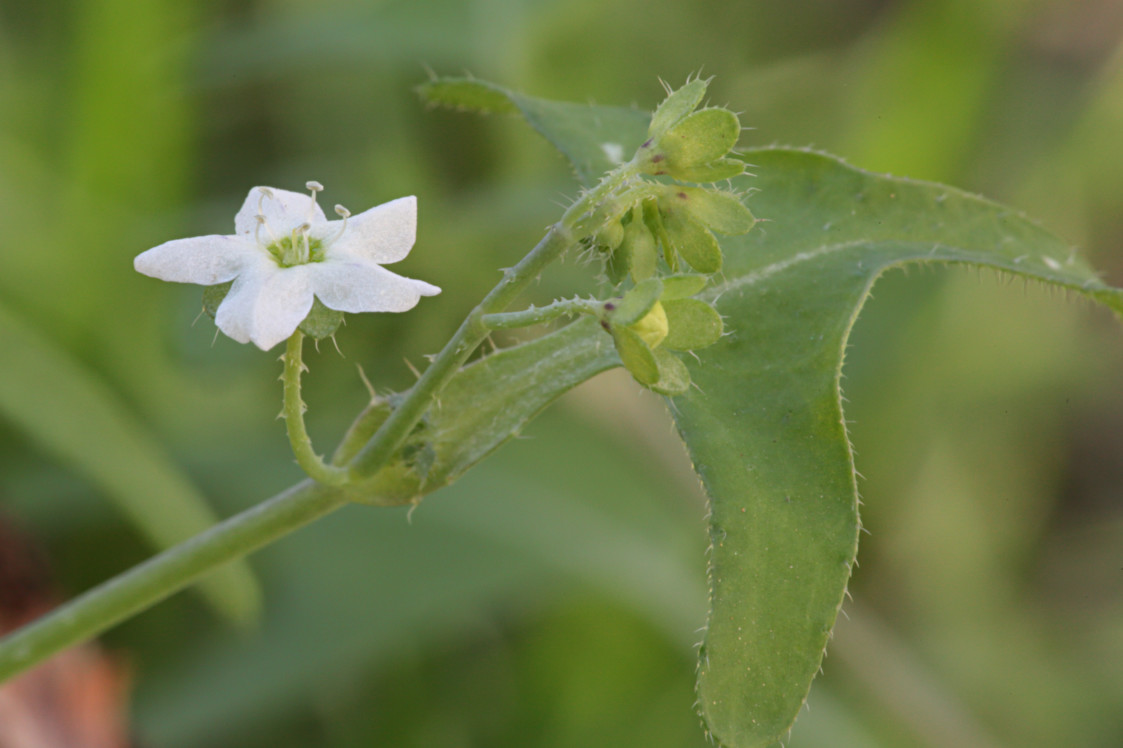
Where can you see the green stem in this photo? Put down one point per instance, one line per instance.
(538, 315)
(293, 411)
(142, 586)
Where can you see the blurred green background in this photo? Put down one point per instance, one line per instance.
(554, 596)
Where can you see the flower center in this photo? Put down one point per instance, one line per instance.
(299, 247)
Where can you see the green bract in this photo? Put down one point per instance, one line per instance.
(691, 324)
(636, 355)
(639, 249)
(681, 286)
(720, 211)
(320, 323)
(635, 304)
(692, 241)
(698, 140)
(676, 106)
(674, 377)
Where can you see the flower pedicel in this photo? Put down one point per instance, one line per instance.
(285, 253)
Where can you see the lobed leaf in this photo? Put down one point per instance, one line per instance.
(764, 427)
(595, 139)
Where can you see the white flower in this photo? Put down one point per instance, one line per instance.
(284, 251)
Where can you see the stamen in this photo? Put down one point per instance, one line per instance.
(305, 250)
(313, 186)
(265, 193)
(344, 214)
(257, 230)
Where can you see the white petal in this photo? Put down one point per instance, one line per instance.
(266, 305)
(383, 234)
(205, 260)
(366, 287)
(283, 212)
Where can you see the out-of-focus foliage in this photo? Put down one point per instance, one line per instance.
(552, 597)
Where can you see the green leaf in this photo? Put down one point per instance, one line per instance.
(765, 426)
(594, 139)
(491, 401)
(468, 95)
(80, 422)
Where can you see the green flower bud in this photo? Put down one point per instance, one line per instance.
(610, 235)
(654, 221)
(695, 147)
(639, 247)
(691, 324)
(616, 265)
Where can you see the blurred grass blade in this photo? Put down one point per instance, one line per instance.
(73, 417)
(765, 427)
(595, 139)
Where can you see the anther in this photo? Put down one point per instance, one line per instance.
(313, 187)
(265, 193)
(305, 251)
(257, 230)
(344, 214)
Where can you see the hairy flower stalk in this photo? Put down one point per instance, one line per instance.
(243, 258)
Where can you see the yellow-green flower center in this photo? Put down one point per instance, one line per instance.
(296, 249)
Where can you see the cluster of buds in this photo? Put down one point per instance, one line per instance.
(667, 230)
